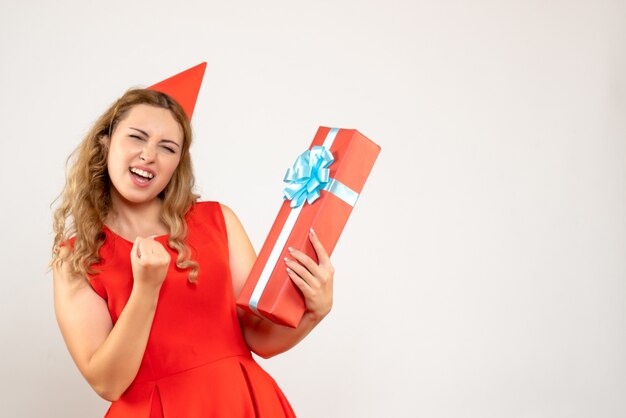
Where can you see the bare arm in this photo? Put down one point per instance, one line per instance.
(107, 356)
(315, 281)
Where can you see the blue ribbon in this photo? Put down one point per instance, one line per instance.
(310, 174)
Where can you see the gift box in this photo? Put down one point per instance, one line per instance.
(322, 188)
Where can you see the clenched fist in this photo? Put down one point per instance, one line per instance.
(150, 261)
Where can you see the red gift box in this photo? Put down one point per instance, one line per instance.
(268, 291)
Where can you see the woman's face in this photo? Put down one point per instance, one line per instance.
(144, 151)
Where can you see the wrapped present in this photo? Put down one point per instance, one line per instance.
(322, 188)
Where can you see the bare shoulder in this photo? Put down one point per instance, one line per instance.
(62, 273)
(229, 215)
(242, 254)
(234, 226)
(73, 294)
(226, 210)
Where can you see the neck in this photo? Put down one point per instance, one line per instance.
(135, 219)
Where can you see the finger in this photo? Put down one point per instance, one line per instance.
(305, 260)
(322, 255)
(153, 242)
(300, 283)
(302, 272)
(142, 248)
(135, 251)
(160, 250)
(147, 248)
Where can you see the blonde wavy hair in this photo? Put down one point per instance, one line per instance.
(86, 199)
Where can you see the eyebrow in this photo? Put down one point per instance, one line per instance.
(148, 136)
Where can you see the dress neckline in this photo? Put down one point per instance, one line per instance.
(121, 238)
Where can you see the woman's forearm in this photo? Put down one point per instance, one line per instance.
(268, 339)
(114, 365)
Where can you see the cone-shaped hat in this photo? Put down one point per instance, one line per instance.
(183, 87)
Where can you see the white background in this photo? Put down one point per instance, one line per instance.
(483, 271)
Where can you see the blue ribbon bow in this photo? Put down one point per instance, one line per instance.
(308, 176)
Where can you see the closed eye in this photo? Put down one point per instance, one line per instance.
(144, 137)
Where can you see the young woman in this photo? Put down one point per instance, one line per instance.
(145, 276)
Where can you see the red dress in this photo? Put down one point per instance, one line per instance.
(196, 363)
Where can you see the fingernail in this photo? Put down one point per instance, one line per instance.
(312, 232)
(286, 259)
(290, 249)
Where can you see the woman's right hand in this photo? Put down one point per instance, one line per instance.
(150, 261)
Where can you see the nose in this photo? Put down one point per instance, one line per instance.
(147, 153)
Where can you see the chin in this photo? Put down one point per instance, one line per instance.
(134, 199)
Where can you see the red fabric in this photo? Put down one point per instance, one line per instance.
(196, 363)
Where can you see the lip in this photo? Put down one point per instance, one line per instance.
(140, 167)
(136, 181)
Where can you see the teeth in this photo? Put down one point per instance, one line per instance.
(141, 173)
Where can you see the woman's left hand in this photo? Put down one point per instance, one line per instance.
(315, 281)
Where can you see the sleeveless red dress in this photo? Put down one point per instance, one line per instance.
(196, 363)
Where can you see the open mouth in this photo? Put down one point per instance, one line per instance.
(141, 176)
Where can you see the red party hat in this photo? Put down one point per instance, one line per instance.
(183, 87)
